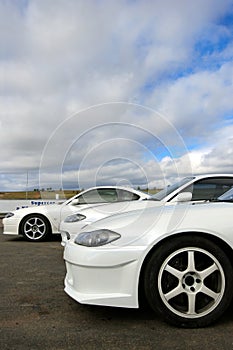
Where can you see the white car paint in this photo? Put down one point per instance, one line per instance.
(109, 274)
(57, 212)
(172, 194)
(7, 205)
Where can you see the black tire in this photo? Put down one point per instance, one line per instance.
(35, 228)
(189, 281)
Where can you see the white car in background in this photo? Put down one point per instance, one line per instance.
(37, 223)
(178, 258)
(202, 187)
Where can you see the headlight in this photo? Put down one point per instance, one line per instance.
(96, 238)
(8, 215)
(75, 218)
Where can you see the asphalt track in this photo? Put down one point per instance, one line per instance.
(35, 313)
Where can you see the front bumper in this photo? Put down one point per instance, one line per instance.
(10, 226)
(104, 275)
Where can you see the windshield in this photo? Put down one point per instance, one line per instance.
(227, 196)
(169, 189)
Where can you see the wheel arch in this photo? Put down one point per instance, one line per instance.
(34, 214)
(220, 242)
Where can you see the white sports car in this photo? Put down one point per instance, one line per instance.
(178, 258)
(203, 187)
(37, 223)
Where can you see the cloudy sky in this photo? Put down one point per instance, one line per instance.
(135, 92)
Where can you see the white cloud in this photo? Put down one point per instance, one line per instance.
(64, 56)
(198, 102)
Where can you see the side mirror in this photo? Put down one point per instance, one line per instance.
(183, 197)
(75, 201)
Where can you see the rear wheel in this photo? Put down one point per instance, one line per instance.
(189, 281)
(35, 228)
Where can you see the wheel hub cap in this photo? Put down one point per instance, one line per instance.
(35, 228)
(191, 282)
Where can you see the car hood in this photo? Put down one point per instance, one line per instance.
(143, 214)
(151, 224)
(98, 212)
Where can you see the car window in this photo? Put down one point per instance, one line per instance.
(98, 196)
(124, 195)
(107, 195)
(210, 188)
(227, 196)
(171, 188)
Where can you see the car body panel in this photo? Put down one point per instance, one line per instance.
(96, 213)
(117, 266)
(57, 212)
(201, 186)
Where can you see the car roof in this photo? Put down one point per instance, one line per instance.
(212, 175)
(126, 188)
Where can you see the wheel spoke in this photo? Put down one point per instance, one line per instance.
(174, 292)
(27, 231)
(207, 272)
(191, 304)
(209, 292)
(174, 271)
(191, 261)
(30, 233)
